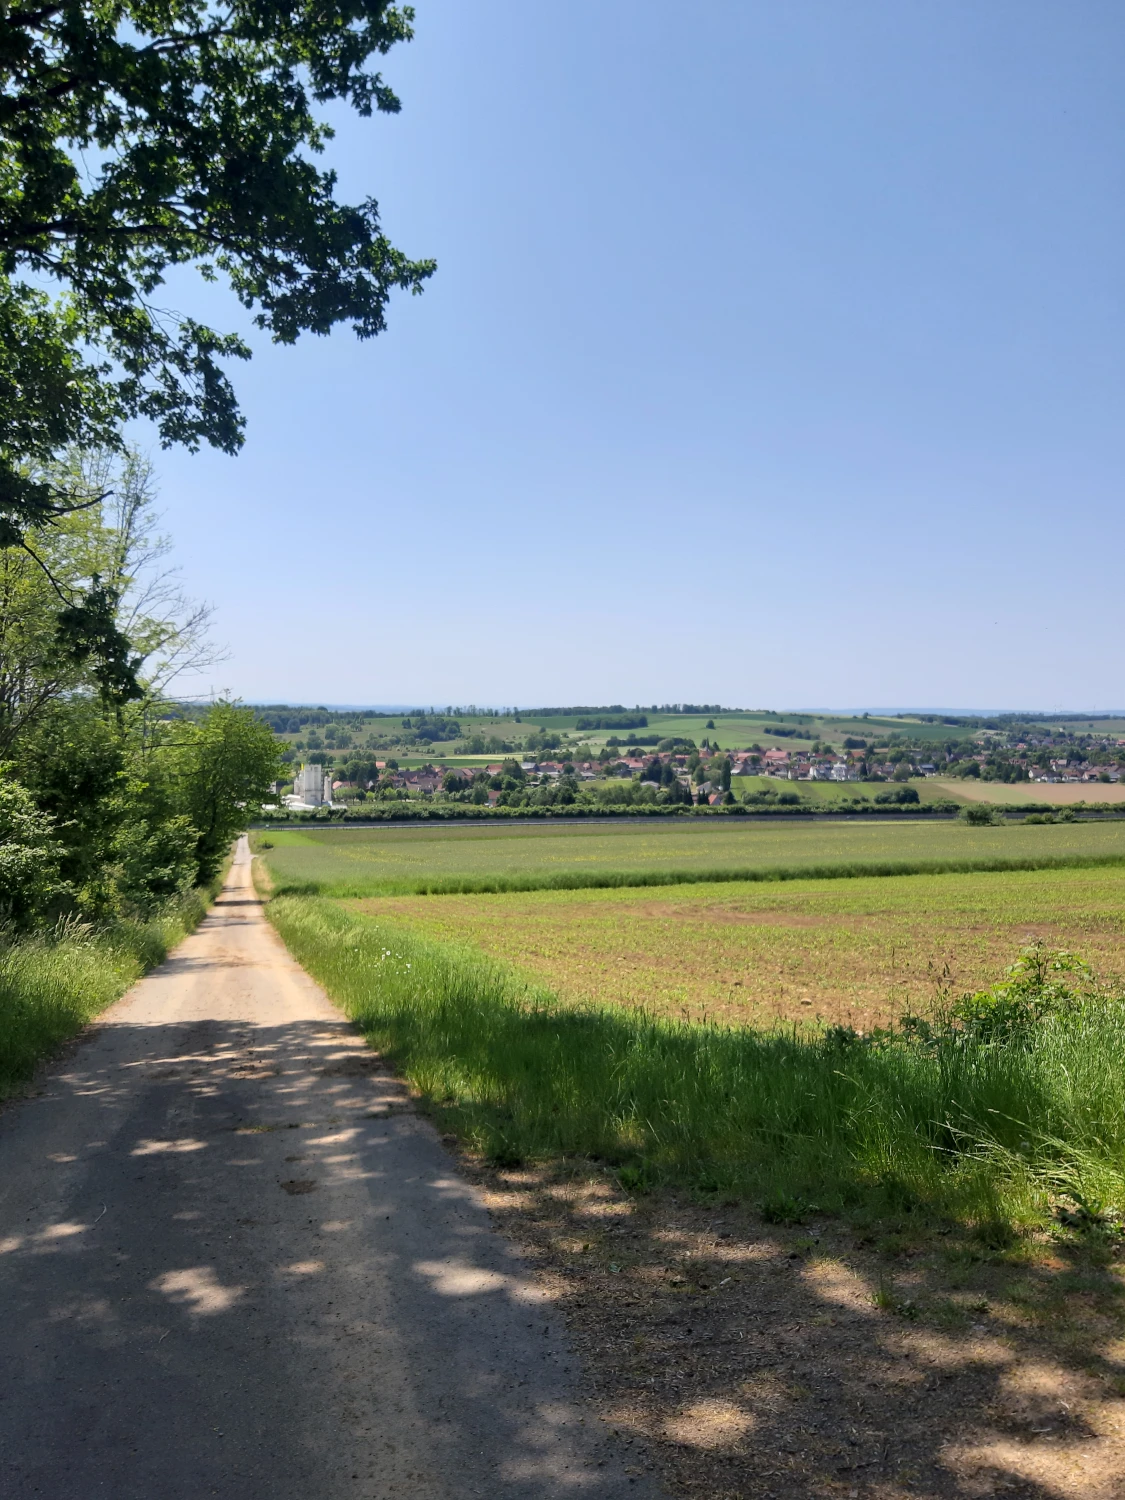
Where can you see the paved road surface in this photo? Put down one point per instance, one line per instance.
(233, 1262)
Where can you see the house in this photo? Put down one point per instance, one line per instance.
(841, 771)
(421, 781)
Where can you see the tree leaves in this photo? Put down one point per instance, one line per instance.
(89, 636)
(135, 137)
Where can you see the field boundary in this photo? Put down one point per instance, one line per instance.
(730, 817)
(581, 880)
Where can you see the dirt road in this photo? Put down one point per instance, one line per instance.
(234, 1262)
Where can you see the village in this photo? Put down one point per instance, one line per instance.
(705, 774)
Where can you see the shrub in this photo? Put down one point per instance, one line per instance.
(979, 817)
(1041, 983)
(29, 856)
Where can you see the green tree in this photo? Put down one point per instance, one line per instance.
(138, 137)
(95, 606)
(229, 763)
(29, 855)
(74, 761)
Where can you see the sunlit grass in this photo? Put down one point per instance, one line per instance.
(979, 1133)
(54, 984)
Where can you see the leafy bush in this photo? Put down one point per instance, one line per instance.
(1041, 984)
(157, 861)
(29, 856)
(979, 817)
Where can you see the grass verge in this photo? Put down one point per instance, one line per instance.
(581, 880)
(53, 985)
(991, 1133)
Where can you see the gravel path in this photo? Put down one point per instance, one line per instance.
(234, 1262)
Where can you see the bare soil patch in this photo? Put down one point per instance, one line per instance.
(742, 1359)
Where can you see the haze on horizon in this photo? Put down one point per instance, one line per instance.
(773, 359)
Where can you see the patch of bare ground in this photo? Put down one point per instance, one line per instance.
(758, 1361)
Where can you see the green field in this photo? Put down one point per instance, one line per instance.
(824, 794)
(1021, 794)
(852, 952)
(481, 857)
(537, 1021)
(981, 1126)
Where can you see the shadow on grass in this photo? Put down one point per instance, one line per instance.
(745, 1359)
(894, 1331)
(983, 1134)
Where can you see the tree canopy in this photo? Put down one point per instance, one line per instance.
(141, 135)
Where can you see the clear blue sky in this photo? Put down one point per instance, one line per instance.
(775, 356)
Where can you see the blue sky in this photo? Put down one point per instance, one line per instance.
(774, 357)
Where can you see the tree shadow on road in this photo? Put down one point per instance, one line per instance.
(234, 1261)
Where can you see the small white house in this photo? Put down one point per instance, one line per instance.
(841, 771)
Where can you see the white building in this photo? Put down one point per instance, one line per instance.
(312, 787)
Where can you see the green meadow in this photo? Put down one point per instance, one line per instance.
(497, 857)
(994, 1122)
(667, 1036)
(853, 952)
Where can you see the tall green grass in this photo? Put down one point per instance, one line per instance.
(53, 984)
(981, 1133)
